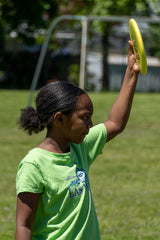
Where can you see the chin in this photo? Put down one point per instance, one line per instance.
(80, 140)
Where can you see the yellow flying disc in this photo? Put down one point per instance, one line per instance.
(138, 46)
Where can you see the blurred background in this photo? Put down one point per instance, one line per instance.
(89, 40)
(24, 25)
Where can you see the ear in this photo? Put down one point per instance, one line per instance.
(58, 119)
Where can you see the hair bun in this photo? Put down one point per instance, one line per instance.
(29, 120)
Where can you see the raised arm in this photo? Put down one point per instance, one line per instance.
(120, 111)
(26, 210)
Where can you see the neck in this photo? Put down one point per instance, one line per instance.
(53, 145)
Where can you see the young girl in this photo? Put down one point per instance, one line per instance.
(54, 200)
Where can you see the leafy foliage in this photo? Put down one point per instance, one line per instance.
(26, 16)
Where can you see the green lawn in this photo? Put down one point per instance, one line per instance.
(125, 179)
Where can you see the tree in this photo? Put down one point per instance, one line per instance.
(106, 8)
(25, 17)
(118, 8)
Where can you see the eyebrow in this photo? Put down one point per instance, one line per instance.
(86, 112)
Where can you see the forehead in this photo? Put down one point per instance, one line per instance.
(84, 103)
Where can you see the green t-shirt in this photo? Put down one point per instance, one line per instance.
(65, 209)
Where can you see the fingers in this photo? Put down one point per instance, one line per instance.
(130, 48)
(131, 58)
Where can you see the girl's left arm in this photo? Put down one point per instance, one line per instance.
(26, 210)
(120, 111)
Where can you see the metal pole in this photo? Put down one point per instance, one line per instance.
(40, 61)
(83, 53)
(43, 52)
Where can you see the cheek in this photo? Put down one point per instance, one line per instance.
(76, 125)
(76, 131)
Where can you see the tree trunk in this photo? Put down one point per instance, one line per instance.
(1, 41)
(105, 67)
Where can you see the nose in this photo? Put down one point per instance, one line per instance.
(90, 124)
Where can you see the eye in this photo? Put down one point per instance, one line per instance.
(85, 118)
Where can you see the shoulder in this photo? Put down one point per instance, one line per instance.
(29, 176)
(99, 131)
(30, 163)
(33, 156)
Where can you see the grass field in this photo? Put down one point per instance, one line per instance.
(125, 179)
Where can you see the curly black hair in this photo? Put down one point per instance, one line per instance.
(54, 97)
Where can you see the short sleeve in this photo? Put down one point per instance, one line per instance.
(95, 141)
(29, 178)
